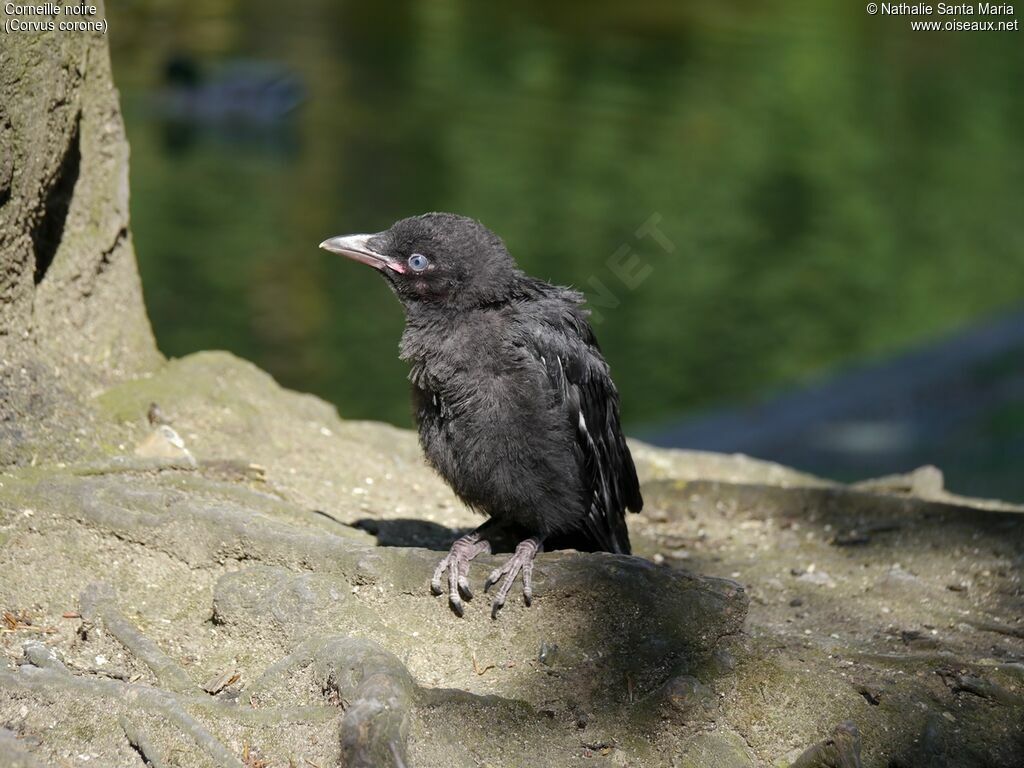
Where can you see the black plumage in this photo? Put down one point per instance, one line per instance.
(513, 399)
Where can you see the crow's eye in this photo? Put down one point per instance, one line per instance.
(418, 262)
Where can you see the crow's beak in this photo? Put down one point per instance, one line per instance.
(356, 248)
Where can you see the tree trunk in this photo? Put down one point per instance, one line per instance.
(71, 311)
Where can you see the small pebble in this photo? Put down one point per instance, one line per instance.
(819, 578)
(548, 652)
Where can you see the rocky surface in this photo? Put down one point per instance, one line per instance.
(262, 595)
(202, 569)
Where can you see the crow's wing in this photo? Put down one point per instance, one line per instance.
(578, 374)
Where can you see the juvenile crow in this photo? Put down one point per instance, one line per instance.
(514, 403)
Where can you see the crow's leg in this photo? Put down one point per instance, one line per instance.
(457, 565)
(522, 560)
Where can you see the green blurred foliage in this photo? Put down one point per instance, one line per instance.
(836, 187)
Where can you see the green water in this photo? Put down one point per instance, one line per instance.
(834, 186)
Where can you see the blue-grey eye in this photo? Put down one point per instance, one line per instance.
(418, 262)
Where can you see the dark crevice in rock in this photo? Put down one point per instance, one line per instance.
(6, 158)
(871, 697)
(49, 227)
(105, 257)
(136, 744)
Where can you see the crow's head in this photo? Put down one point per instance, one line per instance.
(436, 258)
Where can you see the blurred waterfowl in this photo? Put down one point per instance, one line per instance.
(247, 91)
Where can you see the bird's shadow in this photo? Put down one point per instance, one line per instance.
(410, 532)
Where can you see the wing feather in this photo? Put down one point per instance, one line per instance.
(578, 374)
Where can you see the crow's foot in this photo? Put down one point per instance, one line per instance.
(522, 560)
(457, 565)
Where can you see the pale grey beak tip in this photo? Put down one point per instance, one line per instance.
(356, 247)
